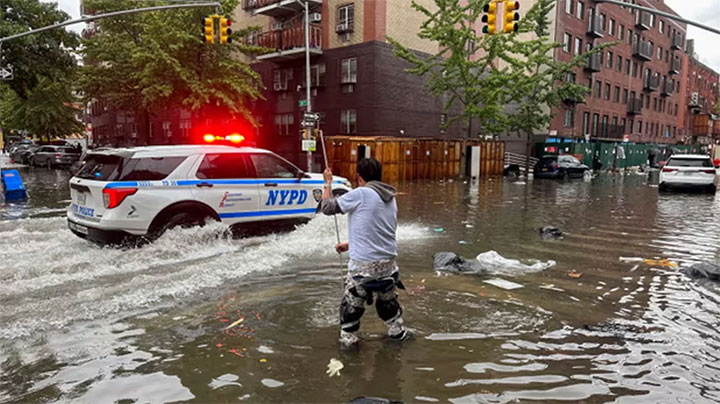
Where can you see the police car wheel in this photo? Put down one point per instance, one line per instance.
(179, 219)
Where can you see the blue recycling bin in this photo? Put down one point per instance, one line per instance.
(13, 187)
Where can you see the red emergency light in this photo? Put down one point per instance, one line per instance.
(234, 138)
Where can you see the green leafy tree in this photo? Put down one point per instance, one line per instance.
(34, 57)
(150, 62)
(508, 82)
(45, 112)
(463, 64)
(539, 82)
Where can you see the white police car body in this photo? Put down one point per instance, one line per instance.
(120, 194)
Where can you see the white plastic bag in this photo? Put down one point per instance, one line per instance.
(496, 263)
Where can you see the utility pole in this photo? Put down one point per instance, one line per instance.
(308, 91)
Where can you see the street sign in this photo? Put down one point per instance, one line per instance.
(306, 124)
(309, 145)
(6, 73)
(311, 116)
(302, 103)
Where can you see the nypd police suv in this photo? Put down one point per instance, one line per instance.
(122, 194)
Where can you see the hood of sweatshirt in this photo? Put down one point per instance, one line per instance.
(386, 192)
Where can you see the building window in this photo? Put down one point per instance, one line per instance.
(586, 123)
(598, 89)
(578, 46)
(605, 120)
(567, 39)
(634, 69)
(349, 71)
(640, 127)
(579, 9)
(611, 31)
(623, 122)
(607, 91)
(629, 36)
(569, 120)
(346, 17)
(284, 123)
(568, 6)
(617, 94)
(621, 32)
(660, 53)
(596, 118)
(317, 75)
(167, 132)
(281, 78)
(627, 66)
(348, 121)
(610, 60)
(625, 96)
(603, 20)
(662, 26)
(619, 64)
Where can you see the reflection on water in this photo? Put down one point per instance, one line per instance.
(82, 323)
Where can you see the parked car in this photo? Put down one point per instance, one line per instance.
(689, 171)
(22, 153)
(50, 156)
(121, 195)
(13, 146)
(559, 167)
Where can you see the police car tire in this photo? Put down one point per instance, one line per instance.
(178, 218)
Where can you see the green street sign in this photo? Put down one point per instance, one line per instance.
(302, 103)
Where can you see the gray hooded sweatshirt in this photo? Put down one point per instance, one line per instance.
(372, 220)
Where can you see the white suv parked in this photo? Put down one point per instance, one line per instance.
(689, 171)
(124, 194)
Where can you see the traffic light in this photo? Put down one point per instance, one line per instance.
(209, 29)
(511, 16)
(490, 18)
(225, 31)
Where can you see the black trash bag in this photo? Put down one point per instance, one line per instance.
(703, 270)
(550, 232)
(451, 262)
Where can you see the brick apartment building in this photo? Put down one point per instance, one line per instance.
(701, 97)
(636, 86)
(358, 85)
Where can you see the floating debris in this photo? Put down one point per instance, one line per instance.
(236, 323)
(574, 274)
(660, 263)
(439, 230)
(631, 259)
(503, 284)
(334, 367)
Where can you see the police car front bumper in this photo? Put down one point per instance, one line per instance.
(99, 236)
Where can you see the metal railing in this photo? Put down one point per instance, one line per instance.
(290, 38)
(519, 160)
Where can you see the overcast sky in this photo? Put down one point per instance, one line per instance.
(705, 12)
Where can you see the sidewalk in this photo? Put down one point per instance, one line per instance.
(5, 162)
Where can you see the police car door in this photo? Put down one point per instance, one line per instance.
(283, 194)
(224, 181)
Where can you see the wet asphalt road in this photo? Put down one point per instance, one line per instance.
(82, 323)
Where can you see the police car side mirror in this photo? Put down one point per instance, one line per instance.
(301, 174)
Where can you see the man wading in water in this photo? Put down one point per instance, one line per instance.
(372, 223)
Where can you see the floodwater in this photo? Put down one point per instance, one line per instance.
(79, 323)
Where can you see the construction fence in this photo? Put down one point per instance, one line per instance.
(409, 159)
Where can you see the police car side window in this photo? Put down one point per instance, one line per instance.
(269, 166)
(224, 166)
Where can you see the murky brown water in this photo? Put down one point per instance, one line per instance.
(85, 324)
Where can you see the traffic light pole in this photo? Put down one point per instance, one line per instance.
(661, 13)
(106, 15)
(308, 91)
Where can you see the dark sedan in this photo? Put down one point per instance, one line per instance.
(559, 167)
